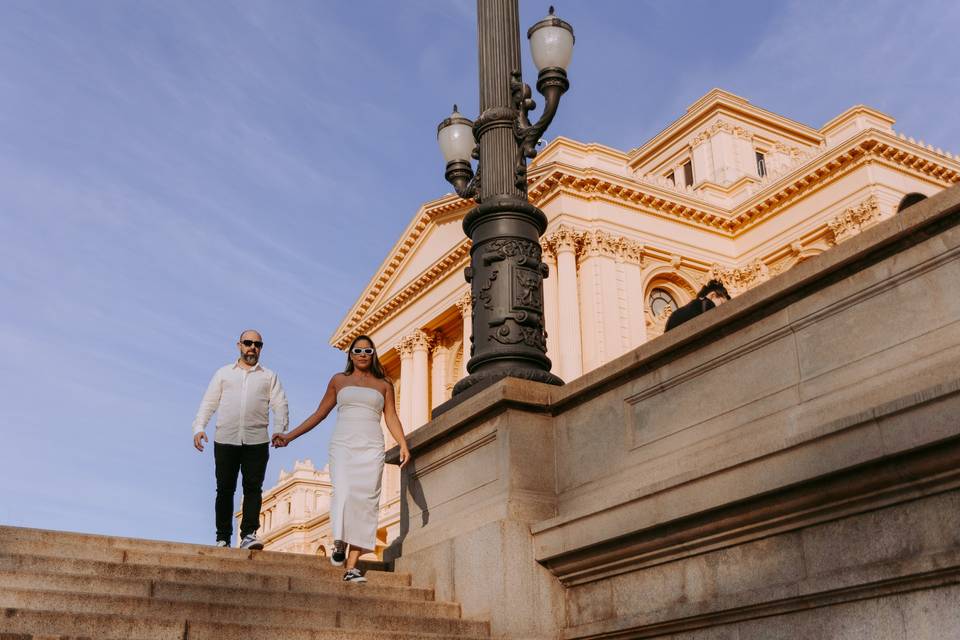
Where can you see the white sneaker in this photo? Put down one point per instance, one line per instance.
(251, 542)
(354, 575)
(222, 543)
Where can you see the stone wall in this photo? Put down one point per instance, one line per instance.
(784, 466)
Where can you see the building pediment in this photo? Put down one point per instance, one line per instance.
(432, 241)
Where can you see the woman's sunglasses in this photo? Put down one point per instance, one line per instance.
(365, 351)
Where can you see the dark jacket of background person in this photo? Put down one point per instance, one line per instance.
(698, 305)
(688, 311)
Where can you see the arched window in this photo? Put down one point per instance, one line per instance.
(659, 300)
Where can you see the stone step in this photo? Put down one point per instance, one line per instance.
(354, 597)
(107, 571)
(239, 561)
(20, 624)
(196, 612)
(160, 546)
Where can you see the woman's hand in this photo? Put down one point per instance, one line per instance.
(281, 440)
(404, 455)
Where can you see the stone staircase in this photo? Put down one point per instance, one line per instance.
(71, 586)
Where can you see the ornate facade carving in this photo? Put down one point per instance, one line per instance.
(720, 125)
(438, 342)
(853, 220)
(597, 242)
(739, 279)
(563, 238)
(630, 251)
(465, 303)
(416, 341)
(592, 243)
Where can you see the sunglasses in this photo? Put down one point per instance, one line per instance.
(365, 351)
(252, 343)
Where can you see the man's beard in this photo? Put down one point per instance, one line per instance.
(250, 358)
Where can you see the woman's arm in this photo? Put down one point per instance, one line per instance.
(327, 403)
(393, 424)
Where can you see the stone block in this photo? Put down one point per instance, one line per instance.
(931, 614)
(860, 620)
(899, 532)
(932, 421)
(726, 632)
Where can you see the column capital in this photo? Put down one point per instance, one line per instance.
(547, 253)
(438, 342)
(597, 242)
(630, 251)
(562, 239)
(416, 341)
(465, 303)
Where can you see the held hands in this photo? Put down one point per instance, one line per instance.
(198, 441)
(280, 440)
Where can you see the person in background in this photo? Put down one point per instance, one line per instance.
(242, 394)
(711, 295)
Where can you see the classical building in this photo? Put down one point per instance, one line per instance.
(728, 190)
(295, 515)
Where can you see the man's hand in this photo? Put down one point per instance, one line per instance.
(198, 440)
(280, 440)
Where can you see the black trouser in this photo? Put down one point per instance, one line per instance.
(231, 459)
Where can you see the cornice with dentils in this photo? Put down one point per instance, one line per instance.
(553, 178)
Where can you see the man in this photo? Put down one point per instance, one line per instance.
(241, 394)
(713, 294)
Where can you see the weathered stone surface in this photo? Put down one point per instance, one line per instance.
(787, 467)
(65, 585)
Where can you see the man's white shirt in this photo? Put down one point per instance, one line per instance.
(242, 398)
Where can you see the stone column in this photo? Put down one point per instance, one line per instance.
(466, 310)
(438, 369)
(420, 404)
(630, 263)
(602, 303)
(564, 242)
(551, 308)
(406, 383)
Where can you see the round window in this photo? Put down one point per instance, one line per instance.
(660, 301)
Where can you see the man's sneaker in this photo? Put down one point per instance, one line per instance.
(339, 555)
(251, 542)
(354, 575)
(223, 543)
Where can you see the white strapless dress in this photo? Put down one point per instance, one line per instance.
(356, 466)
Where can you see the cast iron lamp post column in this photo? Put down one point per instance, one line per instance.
(506, 271)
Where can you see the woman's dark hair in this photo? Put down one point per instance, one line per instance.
(375, 367)
(714, 286)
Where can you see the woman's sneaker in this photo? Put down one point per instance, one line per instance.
(339, 555)
(354, 575)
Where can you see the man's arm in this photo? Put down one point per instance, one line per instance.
(208, 405)
(278, 402)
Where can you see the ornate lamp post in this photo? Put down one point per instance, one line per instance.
(506, 272)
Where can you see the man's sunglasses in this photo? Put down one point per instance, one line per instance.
(252, 343)
(365, 351)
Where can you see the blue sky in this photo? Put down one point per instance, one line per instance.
(172, 172)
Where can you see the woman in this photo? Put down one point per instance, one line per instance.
(362, 393)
